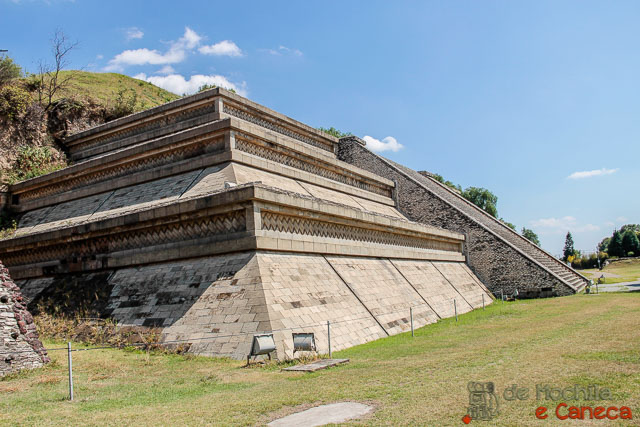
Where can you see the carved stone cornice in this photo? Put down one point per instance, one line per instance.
(249, 217)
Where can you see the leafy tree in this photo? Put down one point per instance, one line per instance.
(335, 132)
(531, 235)
(9, 70)
(630, 243)
(569, 250)
(603, 246)
(635, 228)
(482, 198)
(615, 245)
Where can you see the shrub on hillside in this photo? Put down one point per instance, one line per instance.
(14, 102)
(124, 104)
(33, 161)
(9, 70)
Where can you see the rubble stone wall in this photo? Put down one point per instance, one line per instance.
(500, 266)
(20, 347)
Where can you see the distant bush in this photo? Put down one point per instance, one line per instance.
(335, 132)
(207, 86)
(590, 261)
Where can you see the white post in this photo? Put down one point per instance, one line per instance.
(70, 370)
(455, 309)
(411, 316)
(483, 301)
(329, 337)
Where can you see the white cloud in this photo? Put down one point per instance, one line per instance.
(176, 83)
(283, 50)
(99, 56)
(621, 219)
(387, 144)
(177, 53)
(563, 222)
(167, 69)
(589, 174)
(190, 39)
(133, 33)
(609, 224)
(558, 225)
(223, 48)
(296, 52)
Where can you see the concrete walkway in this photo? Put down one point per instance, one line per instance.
(325, 414)
(618, 287)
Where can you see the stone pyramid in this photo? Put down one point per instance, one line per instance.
(20, 347)
(214, 218)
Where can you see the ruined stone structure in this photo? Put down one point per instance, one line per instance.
(214, 218)
(502, 259)
(20, 347)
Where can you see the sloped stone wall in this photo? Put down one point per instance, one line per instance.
(20, 347)
(500, 266)
(214, 305)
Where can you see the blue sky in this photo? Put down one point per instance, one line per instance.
(537, 101)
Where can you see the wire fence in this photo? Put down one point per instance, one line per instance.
(328, 324)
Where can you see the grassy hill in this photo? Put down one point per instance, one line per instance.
(104, 88)
(581, 339)
(31, 132)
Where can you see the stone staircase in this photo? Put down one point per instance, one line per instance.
(548, 261)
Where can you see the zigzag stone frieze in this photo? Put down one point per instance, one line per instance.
(305, 226)
(267, 151)
(227, 223)
(160, 122)
(268, 124)
(196, 148)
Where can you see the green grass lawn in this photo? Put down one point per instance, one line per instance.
(628, 270)
(582, 339)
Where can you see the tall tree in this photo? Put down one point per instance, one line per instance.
(630, 243)
(482, 198)
(531, 235)
(603, 246)
(569, 250)
(615, 245)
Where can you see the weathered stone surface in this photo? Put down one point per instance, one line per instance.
(20, 347)
(500, 258)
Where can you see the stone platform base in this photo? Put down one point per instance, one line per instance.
(216, 304)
